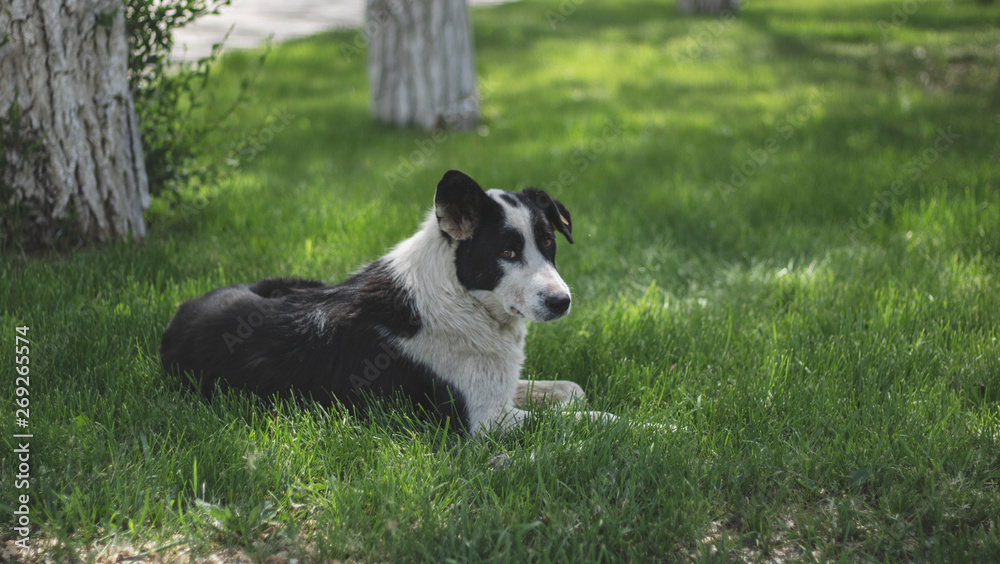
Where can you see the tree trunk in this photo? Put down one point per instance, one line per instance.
(72, 162)
(713, 7)
(421, 63)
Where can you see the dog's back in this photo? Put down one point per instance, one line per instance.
(207, 336)
(283, 337)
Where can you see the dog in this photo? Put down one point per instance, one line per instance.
(441, 319)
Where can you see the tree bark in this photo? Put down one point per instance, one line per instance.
(712, 7)
(75, 163)
(421, 63)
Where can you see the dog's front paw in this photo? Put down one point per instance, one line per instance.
(565, 392)
(547, 392)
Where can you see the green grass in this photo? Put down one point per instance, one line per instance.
(823, 340)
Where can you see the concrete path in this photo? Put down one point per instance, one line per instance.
(253, 21)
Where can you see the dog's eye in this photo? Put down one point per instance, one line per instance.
(548, 243)
(509, 254)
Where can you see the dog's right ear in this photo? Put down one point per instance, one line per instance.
(457, 203)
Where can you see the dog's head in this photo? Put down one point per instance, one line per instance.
(505, 245)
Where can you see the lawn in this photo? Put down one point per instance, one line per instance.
(786, 283)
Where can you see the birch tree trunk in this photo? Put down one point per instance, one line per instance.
(421, 63)
(75, 163)
(712, 7)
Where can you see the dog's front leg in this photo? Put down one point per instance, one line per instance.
(560, 393)
(511, 418)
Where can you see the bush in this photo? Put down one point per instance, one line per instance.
(184, 131)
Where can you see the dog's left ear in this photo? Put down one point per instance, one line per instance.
(554, 211)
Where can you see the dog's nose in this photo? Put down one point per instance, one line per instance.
(557, 304)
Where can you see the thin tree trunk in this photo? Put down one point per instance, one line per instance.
(421, 63)
(76, 163)
(712, 7)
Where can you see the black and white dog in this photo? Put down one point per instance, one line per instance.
(440, 319)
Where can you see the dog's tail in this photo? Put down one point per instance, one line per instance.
(280, 287)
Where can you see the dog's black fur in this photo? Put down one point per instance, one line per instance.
(286, 337)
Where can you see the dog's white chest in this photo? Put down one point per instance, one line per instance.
(482, 365)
